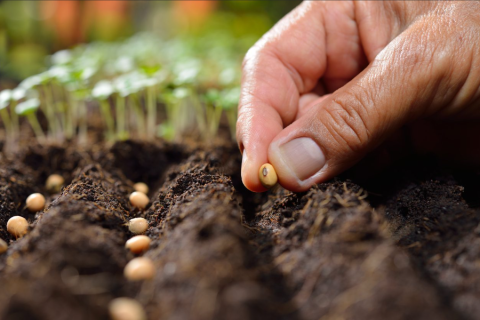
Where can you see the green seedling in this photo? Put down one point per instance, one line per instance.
(229, 99)
(178, 116)
(194, 77)
(102, 92)
(39, 82)
(28, 109)
(213, 113)
(5, 98)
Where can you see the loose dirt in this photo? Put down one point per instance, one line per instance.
(402, 246)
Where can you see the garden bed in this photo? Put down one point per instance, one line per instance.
(408, 250)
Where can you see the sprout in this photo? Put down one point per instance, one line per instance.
(213, 111)
(229, 99)
(166, 131)
(228, 76)
(267, 176)
(34, 81)
(61, 57)
(150, 70)
(139, 269)
(102, 91)
(61, 74)
(28, 109)
(127, 85)
(124, 64)
(138, 225)
(87, 73)
(19, 94)
(150, 84)
(17, 226)
(35, 202)
(186, 72)
(11, 98)
(5, 98)
(138, 244)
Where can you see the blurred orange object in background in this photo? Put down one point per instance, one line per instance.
(64, 20)
(73, 21)
(192, 14)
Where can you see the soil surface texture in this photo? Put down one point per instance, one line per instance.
(403, 245)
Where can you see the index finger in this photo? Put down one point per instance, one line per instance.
(284, 64)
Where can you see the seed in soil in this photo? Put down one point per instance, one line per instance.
(139, 199)
(139, 269)
(17, 226)
(54, 183)
(141, 187)
(126, 309)
(138, 244)
(3, 246)
(138, 225)
(267, 175)
(35, 202)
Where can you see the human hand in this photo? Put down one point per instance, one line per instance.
(333, 81)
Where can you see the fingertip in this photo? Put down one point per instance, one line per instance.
(250, 174)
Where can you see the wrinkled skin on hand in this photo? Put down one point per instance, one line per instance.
(350, 77)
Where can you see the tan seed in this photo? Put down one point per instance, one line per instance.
(3, 246)
(141, 187)
(138, 225)
(126, 309)
(139, 269)
(267, 175)
(54, 183)
(35, 202)
(139, 199)
(138, 244)
(17, 226)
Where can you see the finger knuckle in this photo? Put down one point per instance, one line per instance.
(346, 122)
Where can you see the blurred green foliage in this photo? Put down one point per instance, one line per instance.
(29, 30)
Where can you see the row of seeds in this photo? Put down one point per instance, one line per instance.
(137, 269)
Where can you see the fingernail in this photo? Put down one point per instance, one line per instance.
(303, 156)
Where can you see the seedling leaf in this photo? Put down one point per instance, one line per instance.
(27, 107)
(5, 98)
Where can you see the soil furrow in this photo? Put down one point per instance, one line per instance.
(334, 251)
(442, 233)
(71, 264)
(16, 184)
(206, 267)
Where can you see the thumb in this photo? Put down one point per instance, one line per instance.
(409, 79)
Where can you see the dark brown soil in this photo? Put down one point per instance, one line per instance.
(409, 250)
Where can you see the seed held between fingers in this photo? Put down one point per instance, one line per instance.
(54, 183)
(267, 175)
(35, 202)
(17, 226)
(126, 309)
(139, 199)
(138, 225)
(141, 187)
(138, 244)
(139, 269)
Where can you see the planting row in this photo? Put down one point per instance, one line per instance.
(200, 251)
